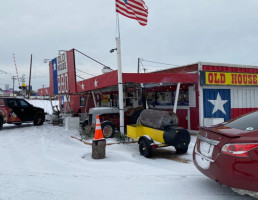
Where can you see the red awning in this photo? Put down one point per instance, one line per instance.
(110, 79)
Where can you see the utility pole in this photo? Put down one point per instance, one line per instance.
(138, 69)
(13, 78)
(30, 76)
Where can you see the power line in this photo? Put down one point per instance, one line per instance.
(156, 66)
(85, 72)
(158, 62)
(90, 58)
(4, 72)
(80, 77)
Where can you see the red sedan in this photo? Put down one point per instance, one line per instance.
(228, 152)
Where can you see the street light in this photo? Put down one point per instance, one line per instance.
(46, 60)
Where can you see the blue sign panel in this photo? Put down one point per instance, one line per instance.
(55, 81)
(217, 103)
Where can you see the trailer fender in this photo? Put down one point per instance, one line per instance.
(145, 146)
(146, 137)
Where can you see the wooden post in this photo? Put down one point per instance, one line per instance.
(98, 149)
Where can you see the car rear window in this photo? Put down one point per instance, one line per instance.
(247, 122)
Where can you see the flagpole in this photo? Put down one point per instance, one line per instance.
(120, 80)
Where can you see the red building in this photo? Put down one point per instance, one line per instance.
(209, 92)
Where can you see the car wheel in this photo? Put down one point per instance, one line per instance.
(39, 119)
(108, 129)
(1, 123)
(145, 148)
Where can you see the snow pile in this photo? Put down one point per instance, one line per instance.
(45, 104)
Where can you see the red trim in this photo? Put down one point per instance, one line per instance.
(110, 79)
(102, 81)
(160, 78)
(184, 69)
(229, 69)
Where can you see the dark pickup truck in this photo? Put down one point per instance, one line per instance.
(18, 111)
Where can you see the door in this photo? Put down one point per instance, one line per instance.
(26, 110)
(15, 111)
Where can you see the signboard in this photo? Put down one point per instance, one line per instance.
(54, 71)
(62, 73)
(229, 78)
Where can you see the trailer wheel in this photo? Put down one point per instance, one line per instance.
(145, 148)
(181, 149)
(108, 129)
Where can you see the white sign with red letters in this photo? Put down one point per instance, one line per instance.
(62, 73)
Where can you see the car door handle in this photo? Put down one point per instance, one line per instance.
(22, 109)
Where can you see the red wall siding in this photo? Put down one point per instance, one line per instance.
(194, 112)
(235, 112)
(182, 118)
(75, 104)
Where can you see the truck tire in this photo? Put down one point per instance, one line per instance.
(145, 147)
(108, 129)
(181, 149)
(39, 119)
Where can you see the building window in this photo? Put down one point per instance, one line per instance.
(82, 101)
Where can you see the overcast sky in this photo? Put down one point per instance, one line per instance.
(178, 32)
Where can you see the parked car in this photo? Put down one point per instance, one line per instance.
(228, 152)
(17, 111)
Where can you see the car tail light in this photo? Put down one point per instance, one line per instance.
(238, 150)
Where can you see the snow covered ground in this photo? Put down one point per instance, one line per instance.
(39, 163)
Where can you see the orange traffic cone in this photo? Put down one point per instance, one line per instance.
(98, 131)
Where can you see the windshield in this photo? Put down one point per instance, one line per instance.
(247, 122)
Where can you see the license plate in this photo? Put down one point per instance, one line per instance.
(206, 149)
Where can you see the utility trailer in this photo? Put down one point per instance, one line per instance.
(167, 133)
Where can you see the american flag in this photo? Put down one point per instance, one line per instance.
(134, 9)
